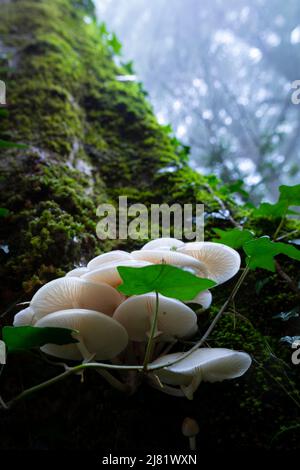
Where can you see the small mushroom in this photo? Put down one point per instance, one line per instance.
(175, 319)
(163, 244)
(204, 364)
(171, 257)
(100, 335)
(77, 272)
(204, 299)
(190, 429)
(221, 261)
(24, 317)
(72, 292)
(108, 273)
(108, 258)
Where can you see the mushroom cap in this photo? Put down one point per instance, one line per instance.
(190, 427)
(175, 319)
(24, 317)
(171, 257)
(101, 334)
(77, 272)
(163, 243)
(107, 258)
(221, 261)
(204, 299)
(216, 364)
(108, 273)
(73, 292)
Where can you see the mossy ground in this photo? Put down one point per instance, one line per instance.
(90, 139)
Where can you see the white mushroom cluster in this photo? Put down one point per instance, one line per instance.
(113, 327)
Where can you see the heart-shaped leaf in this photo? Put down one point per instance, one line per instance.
(164, 279)
(28, 337)
(290, 195)
(261, 252)
(235, 238)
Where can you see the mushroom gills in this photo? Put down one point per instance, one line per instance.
(102, 336)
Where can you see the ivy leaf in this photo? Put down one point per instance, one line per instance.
(290, 195)
(3, 212)
(3, 112)
(261, 252)
(19, 338)
(163, 278)
(115, 44)
(9, 145)
(235, 238)
(266, 209)
(2, 352)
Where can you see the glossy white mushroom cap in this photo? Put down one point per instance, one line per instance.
(175, 319)
(100, 334)
(77, 272)
(163, 243)
(212, 364)
(108, 258)
(73, 292)
(24, 317)
(171, 257)
(221, 261)
(204, 299)
(108, 273)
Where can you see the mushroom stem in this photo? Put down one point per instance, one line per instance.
(192, 441)
(152, 334)
(113, 381)
(167, 389)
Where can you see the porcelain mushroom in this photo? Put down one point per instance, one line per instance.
(204, 299)
(100, 335)
(172, 257)
(108, 258)
(108, 273)
(190, 429)
(204, 364)
(77, 272)
(221, 261)
(72, 292)
(175, 319)
(163, 244)
(24, 317)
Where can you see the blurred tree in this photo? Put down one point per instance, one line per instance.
(221, 73)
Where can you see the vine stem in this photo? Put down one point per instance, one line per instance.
(152, 333)
(277, 231)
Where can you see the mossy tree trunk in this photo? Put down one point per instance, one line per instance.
(90, 139)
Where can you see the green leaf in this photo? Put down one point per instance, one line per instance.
(115, 44)
(235, 238)
(27, 337)
(3, 212)
(261, 252)
(290, 195)
(163, 278)
(3, 112)
(2, 352)
(8, 145)
(275, 211)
